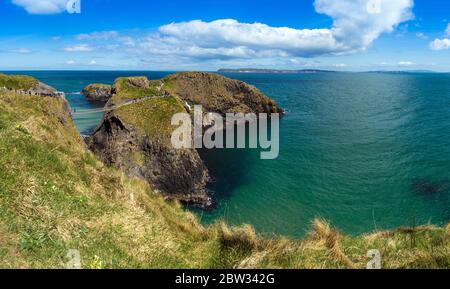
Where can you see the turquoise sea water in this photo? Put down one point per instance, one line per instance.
(363, 150)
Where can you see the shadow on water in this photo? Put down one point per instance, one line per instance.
(229, 169)
(429, 187)
(434, 190)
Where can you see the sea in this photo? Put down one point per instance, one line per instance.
(365, 151)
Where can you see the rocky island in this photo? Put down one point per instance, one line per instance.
(98, 92)
(136, 138)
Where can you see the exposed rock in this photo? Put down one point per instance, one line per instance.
(136, 137)
(139, 81)
(98, 92)
(24, 84)
(179, 174)
(42, 88)
(217, 93)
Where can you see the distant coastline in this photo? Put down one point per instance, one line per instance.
(283, 71)
(311, 71)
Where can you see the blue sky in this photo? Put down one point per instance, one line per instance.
(350, 35)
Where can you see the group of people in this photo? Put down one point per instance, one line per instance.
(31, 92)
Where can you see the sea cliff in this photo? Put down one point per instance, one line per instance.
(135, 137)
(55, 195)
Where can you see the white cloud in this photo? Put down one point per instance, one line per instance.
(111, 38)
(231, 38)
(42, 6)
(93, 62)
(406, 63)
(421, 35)
(71, 62)
(340, 65)
(356, 25)
(79, 48)
(295, 61)
(21, 51)
(102, 35)
(355, 28)
(440, 44)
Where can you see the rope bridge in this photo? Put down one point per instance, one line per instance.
(76, 112)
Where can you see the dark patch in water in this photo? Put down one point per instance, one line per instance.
(437, 192)
(429, 187)
(227, 173)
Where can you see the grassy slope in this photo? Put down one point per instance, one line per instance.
(55, 196)
(17, 82)
(126, 91)
(153, 116)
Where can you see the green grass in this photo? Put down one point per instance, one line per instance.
(56, 196)
(17, 82)
(152, 116)
(127, 91)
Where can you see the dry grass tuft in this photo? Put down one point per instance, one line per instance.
(323, 231)
(242, 237)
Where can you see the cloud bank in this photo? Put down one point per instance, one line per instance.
(42, 6)
(355, 28)
(356, 25)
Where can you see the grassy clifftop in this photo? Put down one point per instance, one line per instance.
(17, 82)
(55, 196)
(153, 115)
(131, 88)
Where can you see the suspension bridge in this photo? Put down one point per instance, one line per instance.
(76, 112)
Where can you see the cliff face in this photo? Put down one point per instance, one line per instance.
(98, 92)
(178, 174)
(135, 136)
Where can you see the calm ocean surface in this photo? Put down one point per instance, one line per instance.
(365, 151)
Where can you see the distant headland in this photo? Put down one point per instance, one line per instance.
(284, 71)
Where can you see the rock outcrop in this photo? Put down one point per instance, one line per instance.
(24, 84)
(43, 89)
(178, 174)
(139, 81)
(136, 137)
(98, 92)
(219, 94)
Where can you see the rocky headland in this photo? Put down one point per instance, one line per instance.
(136, 137)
